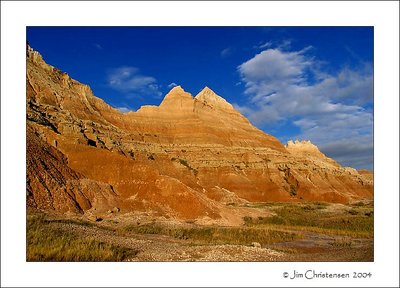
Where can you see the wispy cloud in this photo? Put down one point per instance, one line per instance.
(282, 45)
(263, 45)
(129, 80)
(227, 52)
(98, 46)
(172, 85)
(124, 109)
(290, 86)
(353, 54)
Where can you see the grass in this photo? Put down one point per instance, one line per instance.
(46, 243)
(306, 206)
(368, 204)
(68, 221)
(358, 220)
(217, 235)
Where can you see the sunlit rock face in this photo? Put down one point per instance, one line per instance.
(187, 158)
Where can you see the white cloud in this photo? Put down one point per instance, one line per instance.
(171, 85)
(290, 87)
(354, 152)
(128, 80)
(243, 109)
(273, 70)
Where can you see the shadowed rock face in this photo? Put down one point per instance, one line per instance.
(186, 158)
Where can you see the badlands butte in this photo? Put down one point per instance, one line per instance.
(192, 158)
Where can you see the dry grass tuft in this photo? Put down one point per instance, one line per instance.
(44, 243)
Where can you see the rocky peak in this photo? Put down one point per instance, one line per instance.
(37, 58)
(210, 97)
(30, 52)
(177, 88)
(177, 97)
(178, 92)
(306, 148)
(301, 144)
(207, 91)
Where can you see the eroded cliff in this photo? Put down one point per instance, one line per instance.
(188, 158)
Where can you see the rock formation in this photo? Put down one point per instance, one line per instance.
(189, 157)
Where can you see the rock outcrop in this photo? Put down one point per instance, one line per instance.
(189, 157)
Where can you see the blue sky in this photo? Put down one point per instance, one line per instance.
(311, 83)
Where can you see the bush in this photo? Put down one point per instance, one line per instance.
(293, 190)
(186, 164)
(248, 220)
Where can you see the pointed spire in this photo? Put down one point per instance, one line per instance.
(207, 90)
(209, 96)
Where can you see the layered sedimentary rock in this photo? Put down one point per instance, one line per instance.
(188, 157)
